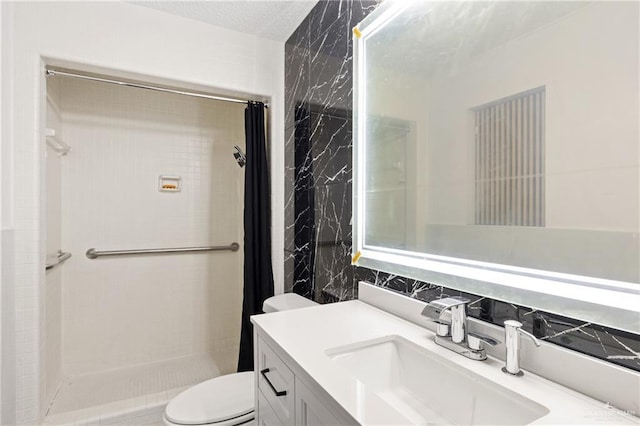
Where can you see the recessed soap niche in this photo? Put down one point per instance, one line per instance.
(169, 183)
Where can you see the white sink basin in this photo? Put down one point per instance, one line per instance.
(428, 389)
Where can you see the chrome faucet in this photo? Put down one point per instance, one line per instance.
(457, 305)
(454, 335)
(513, 330)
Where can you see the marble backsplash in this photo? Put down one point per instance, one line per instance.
(318, 149)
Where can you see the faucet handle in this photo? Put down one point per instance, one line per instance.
(436, 308)
(517, 325)
(443, 329)
(477, 341)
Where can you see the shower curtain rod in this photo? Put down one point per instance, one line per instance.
(50, 72)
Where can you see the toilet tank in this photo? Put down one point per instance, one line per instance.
(285, 302)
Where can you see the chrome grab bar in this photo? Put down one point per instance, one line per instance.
(62, 257)
(92, 253)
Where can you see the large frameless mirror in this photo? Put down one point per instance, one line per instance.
(497, 151)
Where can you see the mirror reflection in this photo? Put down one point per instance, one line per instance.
(506, 132)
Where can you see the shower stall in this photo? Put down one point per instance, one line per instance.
(144, 205)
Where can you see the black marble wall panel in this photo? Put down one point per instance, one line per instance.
(611, 345)
(318, 124)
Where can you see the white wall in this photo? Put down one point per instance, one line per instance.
(588, 61)
(129, 40)
(7, 251)
(120, 312)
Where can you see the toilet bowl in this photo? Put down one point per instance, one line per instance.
(225, 400)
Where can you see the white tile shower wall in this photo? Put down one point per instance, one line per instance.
(145, 43)
(7, 324)
(125, 311)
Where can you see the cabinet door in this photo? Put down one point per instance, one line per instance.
(265, 414)
(309, 410)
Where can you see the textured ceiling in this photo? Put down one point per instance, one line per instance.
(275, 20)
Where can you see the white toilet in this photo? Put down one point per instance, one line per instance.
(226, 400)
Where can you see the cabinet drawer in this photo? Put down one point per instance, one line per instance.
(266, 415)
(276, 382)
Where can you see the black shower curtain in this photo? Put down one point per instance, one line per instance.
(258, 274)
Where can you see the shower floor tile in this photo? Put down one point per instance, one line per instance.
(157, 380)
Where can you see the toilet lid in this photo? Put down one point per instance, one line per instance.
(286, 302)
(215, 400)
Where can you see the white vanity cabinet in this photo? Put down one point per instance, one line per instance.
(309, 409)
(352, 363)
(285, 395)
(267, 416)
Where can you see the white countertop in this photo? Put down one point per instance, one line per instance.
(306, 334)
